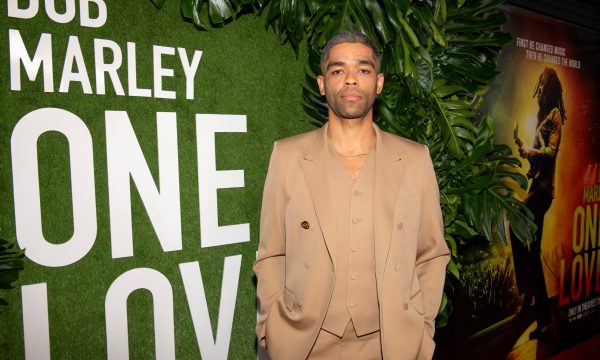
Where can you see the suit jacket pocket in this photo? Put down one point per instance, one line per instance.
(289, 300)
(416, 297)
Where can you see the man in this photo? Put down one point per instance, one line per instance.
(352, 257)
(542, 162)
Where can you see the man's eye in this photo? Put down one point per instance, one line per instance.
(336, 72)
(364, 71)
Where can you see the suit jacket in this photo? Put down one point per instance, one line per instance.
(296, 268)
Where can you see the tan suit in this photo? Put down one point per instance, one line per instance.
(296, 268)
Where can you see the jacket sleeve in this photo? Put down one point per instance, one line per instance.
(270, 264)
(432, 252)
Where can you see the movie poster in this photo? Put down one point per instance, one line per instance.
(533, 301)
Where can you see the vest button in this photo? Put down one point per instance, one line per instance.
(397, 267)
(306, 265)
(399, 226)
(305, 224)
(405, 306)
(353, 277)
(356, 192)
(355, 220)
(352, 305)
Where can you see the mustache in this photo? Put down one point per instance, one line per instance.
(352, 92)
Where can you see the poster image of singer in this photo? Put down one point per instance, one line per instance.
(536, 299)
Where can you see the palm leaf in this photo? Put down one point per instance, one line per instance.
(11, 264)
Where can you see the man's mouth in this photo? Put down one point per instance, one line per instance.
(351, 97)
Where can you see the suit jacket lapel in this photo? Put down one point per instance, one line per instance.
(314, 168)
(388, 172)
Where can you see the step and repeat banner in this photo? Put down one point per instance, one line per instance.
(133, 150)
(545, 98)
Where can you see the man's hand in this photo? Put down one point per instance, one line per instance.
(516, 137)
(523, 150)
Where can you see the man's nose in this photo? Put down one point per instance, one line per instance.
(350, 79)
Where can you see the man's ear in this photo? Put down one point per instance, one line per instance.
(321, 83)
(379, 83)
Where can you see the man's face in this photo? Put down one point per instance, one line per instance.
(350, 81)
(540, 89)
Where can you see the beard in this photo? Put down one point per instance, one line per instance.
(350, 109)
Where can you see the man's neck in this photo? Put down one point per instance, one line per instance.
(351, 137)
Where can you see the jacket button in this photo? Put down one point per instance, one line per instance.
(305, 224)
(397, 267)
(399, 226)
(306, 265)
(405, 306)
(299, 302)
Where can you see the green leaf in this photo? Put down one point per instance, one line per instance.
(408, 30)
(380, 20)
(186, 8)
(399, 55)
(479, 74)
(451, 244)
(489, 22)
(488, 40)
(11, 264)
(197, 15)
(392, 15)
(485, 219)
(447, 90)
(443, 12)
(425, 75)
(520, 218)
(462, 228)
(219, 11)
(500, 228)
(453, 269)
(421, 24)
(474, 183)
(410, 70)
(158, 3)
(438, 35)
(519, 178)
(475, 8)
(403, 6)
(457, 131)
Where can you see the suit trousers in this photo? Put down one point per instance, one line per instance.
(348, 347)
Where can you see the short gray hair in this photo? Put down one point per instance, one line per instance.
(350, 37)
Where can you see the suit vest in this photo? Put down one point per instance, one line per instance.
(354, 295)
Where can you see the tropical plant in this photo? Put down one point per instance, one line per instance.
(439, 59)
(11, 263)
